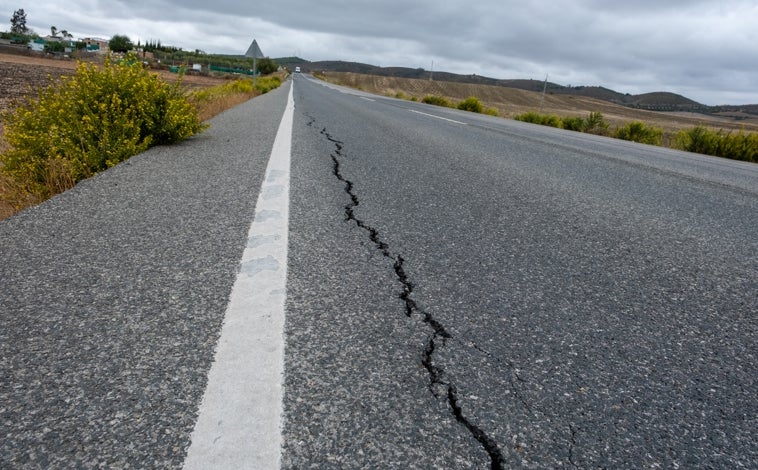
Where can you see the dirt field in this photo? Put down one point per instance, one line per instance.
(511, 101)
(21, 74)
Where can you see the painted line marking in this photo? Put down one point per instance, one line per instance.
(438, 117)
(239, 422)
(367, 99)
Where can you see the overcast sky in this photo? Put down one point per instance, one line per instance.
(705, 50)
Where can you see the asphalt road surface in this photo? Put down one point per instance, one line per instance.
(462, 291)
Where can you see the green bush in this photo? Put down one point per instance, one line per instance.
(552, 121)
(637, 131)
(471, 104)
(266, 66)
(91, 121)
(697, 140)
(595, 123)
(573, 123)
(54, 46)
(740, 146)
(120, 43)
(542, 119)
(491, 112)
(437, 101)
(530, 117)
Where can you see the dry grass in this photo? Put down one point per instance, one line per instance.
(217, 106)
(6, 186)
(3, 144)
(13, 198)
(6, 208)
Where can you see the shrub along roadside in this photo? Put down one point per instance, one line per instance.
(437, 101)
(739, 146)
(88, 122)
(594, 123)
(736, 146)
(541, 119)
(471, 104)
(77, 127)
(637, 131)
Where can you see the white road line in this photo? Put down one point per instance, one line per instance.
(240, 416)
(438, 117)
(367, 99)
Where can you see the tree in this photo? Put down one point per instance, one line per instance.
(119, 43)
(53, 31)
(54, 46)
(266, 66)
(18, 22)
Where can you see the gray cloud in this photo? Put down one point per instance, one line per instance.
(702, 49)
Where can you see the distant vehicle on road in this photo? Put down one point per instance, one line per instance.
(297, 69)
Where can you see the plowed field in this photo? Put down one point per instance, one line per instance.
(20, 75)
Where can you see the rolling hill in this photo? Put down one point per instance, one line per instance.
(510, 101)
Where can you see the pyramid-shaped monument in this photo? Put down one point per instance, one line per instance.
(254, 51)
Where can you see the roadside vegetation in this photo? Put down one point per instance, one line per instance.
(637, 131)
(214, 100)
(90, 121)
(737, 146)
(727, 144)
(471, 104)
(594, 123)
(699, 139)
(83, 124)
(691, 132)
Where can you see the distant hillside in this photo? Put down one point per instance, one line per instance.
(747, 111)
(656, 101)
(509, 102)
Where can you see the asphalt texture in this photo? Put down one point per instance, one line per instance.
(501, 295)
(462, 292)
(112, 297)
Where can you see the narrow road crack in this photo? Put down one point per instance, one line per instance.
(574, 432)
(440, 384)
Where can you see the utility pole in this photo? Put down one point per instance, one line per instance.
(255, 52)
(544, 88)
(431, 73)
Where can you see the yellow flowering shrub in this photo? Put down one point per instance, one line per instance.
(266, 84)
(88, 122)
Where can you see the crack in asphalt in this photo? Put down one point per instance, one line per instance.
(514, 377)
(513, 374)
(440, 384)
(574, 432)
